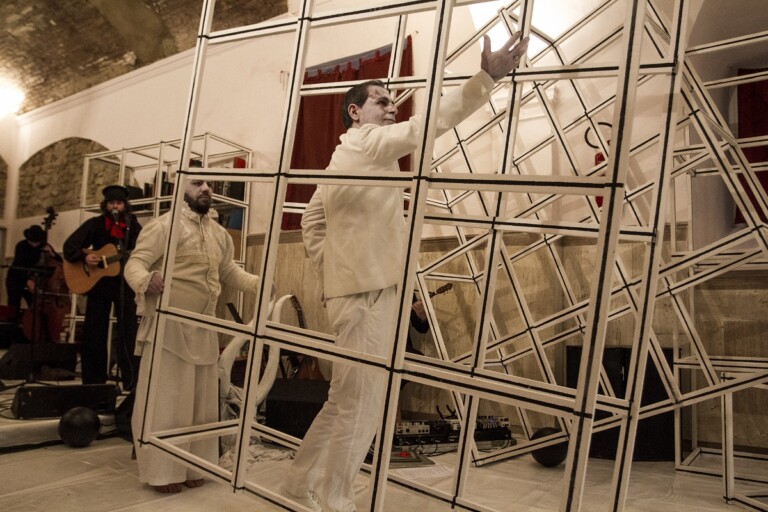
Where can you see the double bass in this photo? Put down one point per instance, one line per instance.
(43, 321)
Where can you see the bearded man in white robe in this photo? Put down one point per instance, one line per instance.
(188, 375)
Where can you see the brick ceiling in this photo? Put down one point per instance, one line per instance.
(55, 48)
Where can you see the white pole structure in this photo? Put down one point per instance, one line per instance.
(486, 371)
(729, 482)
(493, 253)
(651, 266)
(206, 19)
(247, 418)
(594, 339)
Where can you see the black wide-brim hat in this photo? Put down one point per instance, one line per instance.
(34, 233)
(115, 193)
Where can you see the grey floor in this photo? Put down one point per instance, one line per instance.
(53, 477)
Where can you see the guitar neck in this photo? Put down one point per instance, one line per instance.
(440, 290)
(113, 259)
(117, 257)
(299, 311)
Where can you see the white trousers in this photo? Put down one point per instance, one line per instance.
(346, 425)
(188, 395)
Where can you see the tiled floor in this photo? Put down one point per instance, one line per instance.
(103, 477)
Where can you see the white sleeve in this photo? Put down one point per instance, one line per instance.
(148, 252)
(230, 272)
(313, 230)
(390, 142)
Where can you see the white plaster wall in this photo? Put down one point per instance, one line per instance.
(9, 129)
(717, 20)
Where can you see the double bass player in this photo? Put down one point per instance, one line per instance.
(36, 276)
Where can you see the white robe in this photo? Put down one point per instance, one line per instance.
(188, 373)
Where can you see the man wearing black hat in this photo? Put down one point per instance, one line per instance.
(114, 226)
(26, 256)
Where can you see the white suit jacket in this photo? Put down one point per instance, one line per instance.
(355, 235)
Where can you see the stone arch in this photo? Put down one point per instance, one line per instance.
(53, 176)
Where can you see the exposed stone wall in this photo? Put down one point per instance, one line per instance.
(54, 49)
(53, 177)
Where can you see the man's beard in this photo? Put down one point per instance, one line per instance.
(197, 206)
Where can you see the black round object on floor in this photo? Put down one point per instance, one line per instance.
(549, 456)
(79, 426)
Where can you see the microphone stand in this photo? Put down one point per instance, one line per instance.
(123, 249)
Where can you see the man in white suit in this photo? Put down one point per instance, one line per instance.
(355, 237)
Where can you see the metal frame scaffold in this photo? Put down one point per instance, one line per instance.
(637, 182)
(147, 166)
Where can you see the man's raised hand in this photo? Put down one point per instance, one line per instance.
(499, 63)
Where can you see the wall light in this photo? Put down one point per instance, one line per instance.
(11, 98)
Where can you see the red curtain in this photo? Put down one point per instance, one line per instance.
(753, 121)
(319, 125)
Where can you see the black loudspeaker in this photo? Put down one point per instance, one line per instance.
(655, 440)
(21, 359)
(53, 401)
(292, 404)
(10, 333)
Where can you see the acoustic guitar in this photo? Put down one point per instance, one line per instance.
(80, 277)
